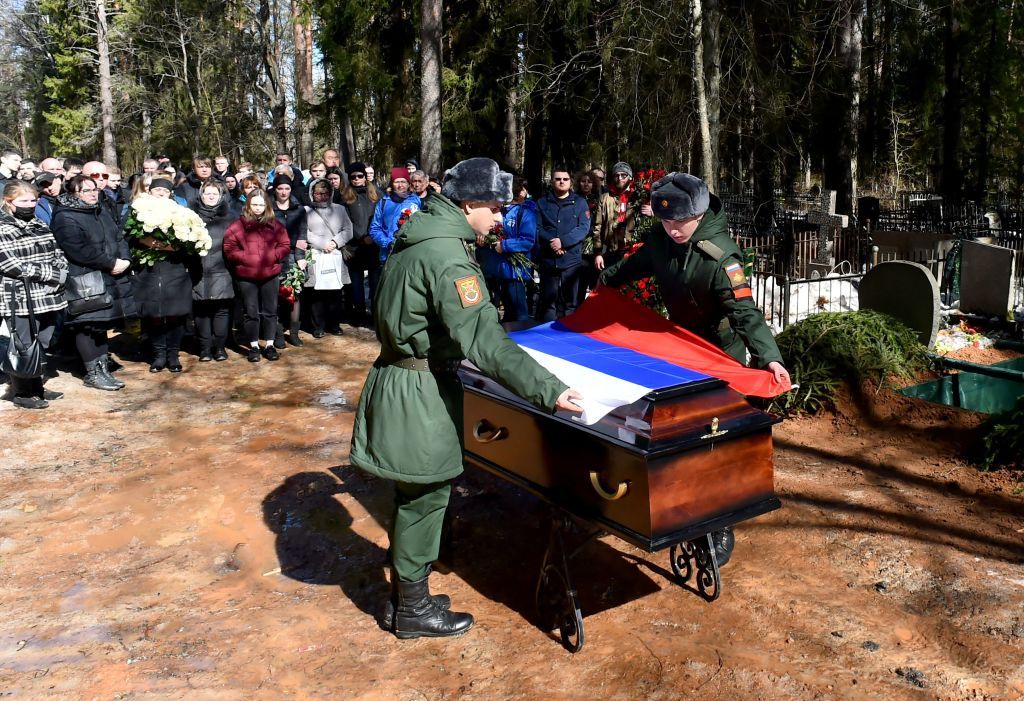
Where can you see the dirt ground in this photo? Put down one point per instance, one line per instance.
(203, 536)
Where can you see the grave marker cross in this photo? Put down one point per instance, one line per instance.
(828, 221)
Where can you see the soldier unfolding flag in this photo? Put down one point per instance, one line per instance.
(432, 311)
(699, 269)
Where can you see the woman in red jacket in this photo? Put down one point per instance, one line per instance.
(254, 247)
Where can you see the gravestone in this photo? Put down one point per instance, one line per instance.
(986, 279)
(828, 223)
(906, 291)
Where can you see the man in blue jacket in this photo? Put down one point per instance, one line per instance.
(564, 223)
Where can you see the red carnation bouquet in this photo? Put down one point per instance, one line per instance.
(645, 180)
(646, 290)
(520, 262)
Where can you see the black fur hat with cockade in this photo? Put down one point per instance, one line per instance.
(477, 180)
(679, 196)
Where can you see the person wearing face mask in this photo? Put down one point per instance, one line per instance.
(431, 312)
(213, 294)
(92, 242)
(33, 269)
(328, 229)
(392, 211)
(254, 247)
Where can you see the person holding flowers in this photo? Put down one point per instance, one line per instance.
(617, 216)
(254, 247)
(505, 254)
(289, 211)
(213, 294)
(167, 240)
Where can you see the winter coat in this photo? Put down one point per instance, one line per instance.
(386, 214)
(360, 211)
(567, 219)
(29, 254)
(44, 208)
(215, 282)
(431, 303)
(294, 221)
(254, 250)
(165, 288)
(703, 286)
(609, 235)
(519, 229)
(190, 189)
(91, 240)
(326, 222)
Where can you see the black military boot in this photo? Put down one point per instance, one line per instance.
(442, 600)
(419, 615)
(724, 541)
(108, 372)
(96, 377)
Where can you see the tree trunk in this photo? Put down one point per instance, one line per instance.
(707, 159)
(952, 178)
(106, 96)
(982, 151)
(302, 42)
(348, 140)
(430, 86)
(713, 73)
(512, 157)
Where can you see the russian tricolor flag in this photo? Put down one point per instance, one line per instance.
(615, 351)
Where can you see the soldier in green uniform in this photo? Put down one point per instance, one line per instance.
(699, 269)
(432, 311)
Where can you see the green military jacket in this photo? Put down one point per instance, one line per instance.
(704, 287)
(431, 303)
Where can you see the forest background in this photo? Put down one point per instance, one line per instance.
(860, 96)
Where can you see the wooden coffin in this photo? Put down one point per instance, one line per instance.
(679, 463)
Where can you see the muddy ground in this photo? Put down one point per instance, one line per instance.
(202, 536)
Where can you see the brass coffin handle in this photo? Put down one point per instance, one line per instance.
(486, 432)
(620, 491)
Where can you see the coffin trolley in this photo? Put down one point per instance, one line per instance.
(689, 458)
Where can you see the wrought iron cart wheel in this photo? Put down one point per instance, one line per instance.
(696, 568)
(558, 608)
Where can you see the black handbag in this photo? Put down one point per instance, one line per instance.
(87, 293)
(29, 362)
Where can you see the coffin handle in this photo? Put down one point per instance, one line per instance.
(620, 491)
(486, 432)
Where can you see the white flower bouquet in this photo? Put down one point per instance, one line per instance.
(174, 228)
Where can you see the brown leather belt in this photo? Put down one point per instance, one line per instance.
(448, 366)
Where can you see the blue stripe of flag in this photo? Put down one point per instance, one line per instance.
(554, 339)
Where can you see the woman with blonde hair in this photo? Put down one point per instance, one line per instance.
(33, 273)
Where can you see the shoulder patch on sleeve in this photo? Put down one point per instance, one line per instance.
(470, 291)
(738, 281)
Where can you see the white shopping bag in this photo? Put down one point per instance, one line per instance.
(329, 271)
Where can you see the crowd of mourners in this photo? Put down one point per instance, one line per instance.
(291, 250)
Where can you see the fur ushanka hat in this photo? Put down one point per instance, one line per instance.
(477, 180)
(679, 196)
